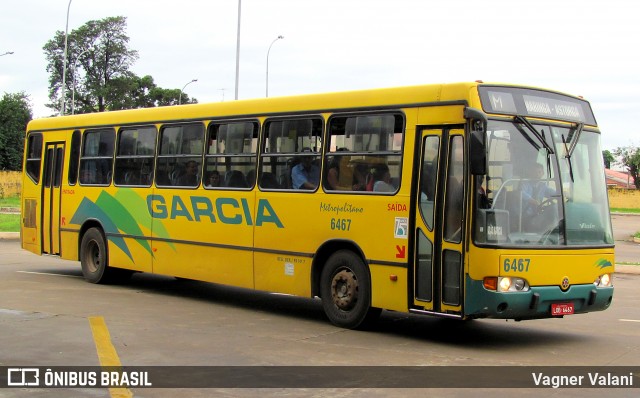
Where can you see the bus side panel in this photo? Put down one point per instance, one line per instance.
(204, 263)
(372, 225)
(69, 245)
(285, 240)
(203, 235)
(387, 292)
(30, 217)
(119, 212)
(283, 273)
(129, 253)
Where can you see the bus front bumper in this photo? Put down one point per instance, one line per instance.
(535, 303)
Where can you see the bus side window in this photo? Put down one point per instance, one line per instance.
(134, 156)
(231, 154)
(291, 148)
(34, 156)
(180, 155)
(364, 153)
(74, 157)
(96, 160)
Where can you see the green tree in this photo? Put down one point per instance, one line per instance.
(98, 77)
(15, 113)
(141, 92)
(630, 157)
(101, 50)
(608, 158)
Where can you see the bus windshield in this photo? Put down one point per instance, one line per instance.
(544, 187)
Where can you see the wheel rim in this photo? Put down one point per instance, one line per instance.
(344, 290)
(93, 256)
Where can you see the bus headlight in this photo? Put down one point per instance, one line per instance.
(512, 285)
(506, 284)
(603, 281)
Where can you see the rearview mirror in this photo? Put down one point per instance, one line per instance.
(477, 140)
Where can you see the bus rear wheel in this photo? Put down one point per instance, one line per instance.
(93, 257)
(345, 288)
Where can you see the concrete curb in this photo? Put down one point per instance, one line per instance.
(627, 269)
(9, 235)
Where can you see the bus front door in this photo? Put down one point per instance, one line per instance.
(439, 224)
(51, 194)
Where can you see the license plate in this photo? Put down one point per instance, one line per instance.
(562, 309)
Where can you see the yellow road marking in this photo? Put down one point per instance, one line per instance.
(107, 352)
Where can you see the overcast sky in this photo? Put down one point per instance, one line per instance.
(582, 47)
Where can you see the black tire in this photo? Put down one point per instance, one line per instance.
(94, 257)
(345, 288)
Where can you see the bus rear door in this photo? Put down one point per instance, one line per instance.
(51, 194)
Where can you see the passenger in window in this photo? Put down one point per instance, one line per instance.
(382, 179)
(336, 164)
(305, 175)
(190, 177)
(235, 179)
(333, 173)
(214, 179)
(360, 176)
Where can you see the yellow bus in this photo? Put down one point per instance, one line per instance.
(465, 200)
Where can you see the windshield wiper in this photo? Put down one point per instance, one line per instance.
(574, 139)
(520, 119)
(568, 156)
(569, 150)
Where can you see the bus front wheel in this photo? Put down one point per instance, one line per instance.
(93, 257)
(345, 289)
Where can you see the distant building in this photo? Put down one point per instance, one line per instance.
(619, 179)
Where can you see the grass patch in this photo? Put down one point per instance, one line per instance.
(9, 222)
(13, 201)
(624, 210)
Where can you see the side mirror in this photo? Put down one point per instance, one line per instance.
(477, 140)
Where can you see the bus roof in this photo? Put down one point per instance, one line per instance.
(461, 93)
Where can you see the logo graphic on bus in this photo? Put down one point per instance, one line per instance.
(135, 215)
(603, 263)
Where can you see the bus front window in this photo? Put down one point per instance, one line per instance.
(587, 219)
(535, 194)
(524, 196)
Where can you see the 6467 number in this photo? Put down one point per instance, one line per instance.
(340, 224)
(516, 264)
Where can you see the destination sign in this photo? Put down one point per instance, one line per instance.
(535, 103)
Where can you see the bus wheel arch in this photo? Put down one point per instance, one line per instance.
(322, 256)
(345, 288)
(94, 254)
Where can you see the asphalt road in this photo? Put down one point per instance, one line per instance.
(47, 310)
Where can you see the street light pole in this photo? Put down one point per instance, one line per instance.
(64, 61)
(185, 86)
(268, 51)
(238, 48)
(73, 92)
